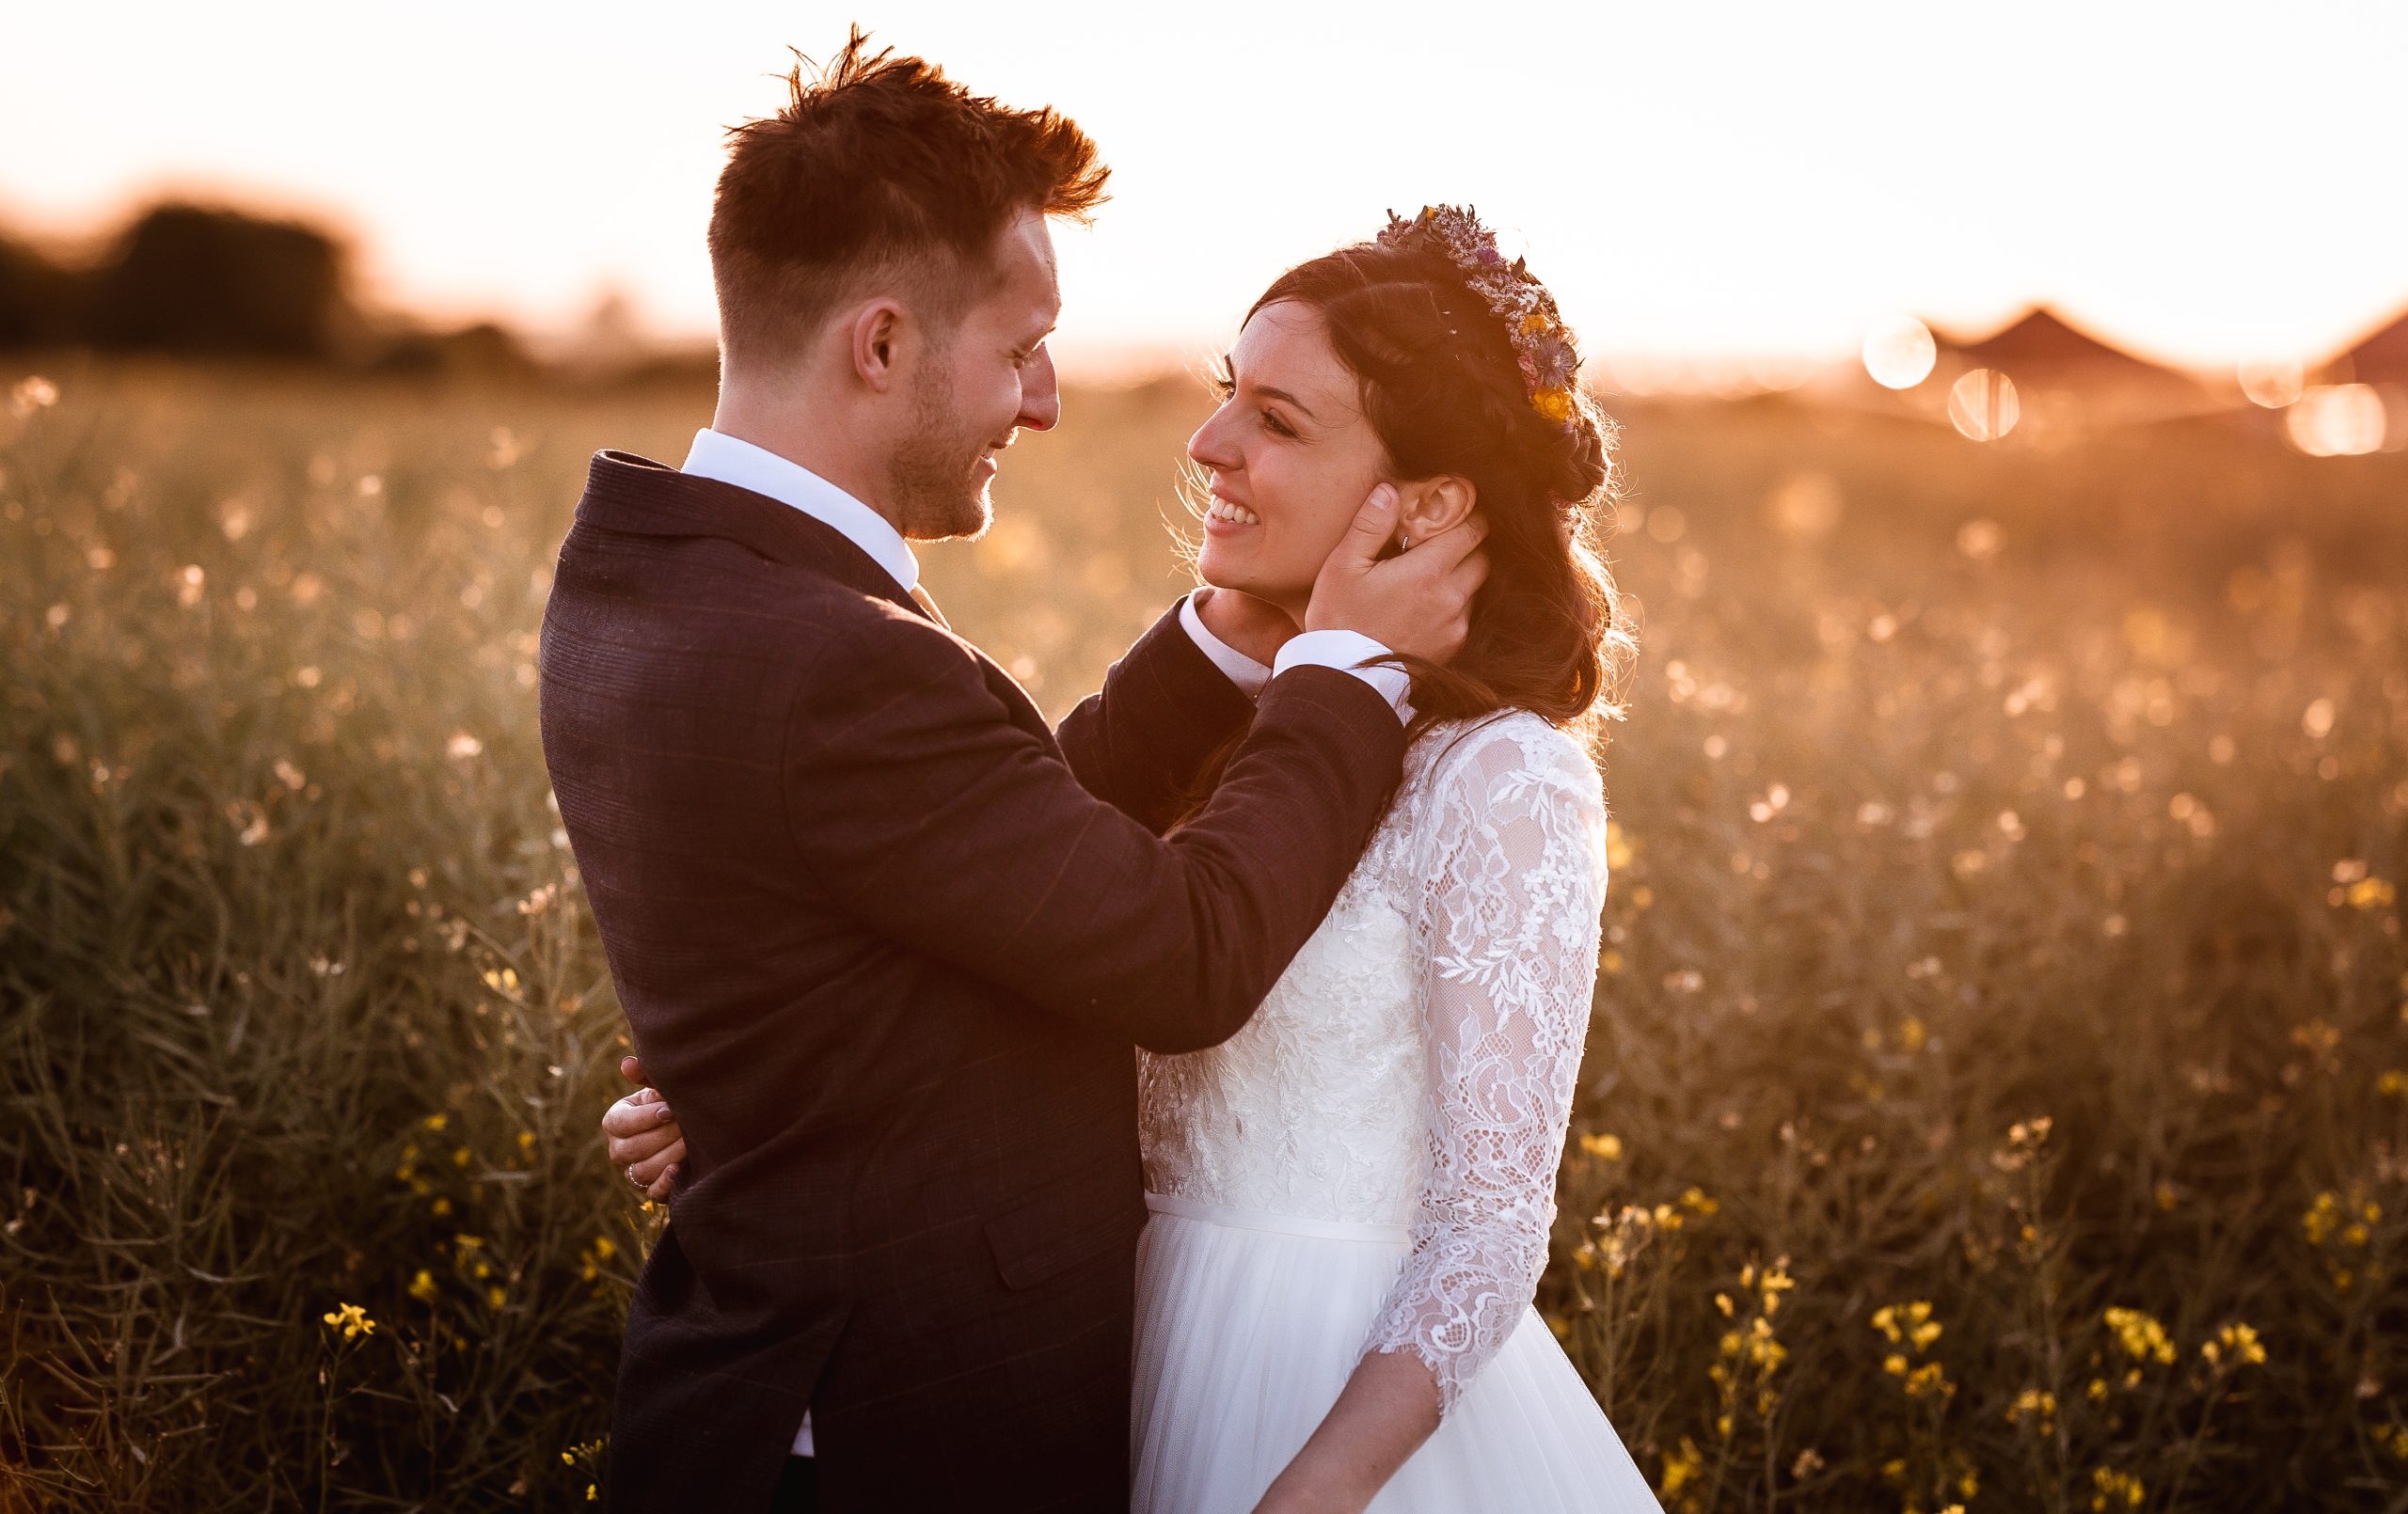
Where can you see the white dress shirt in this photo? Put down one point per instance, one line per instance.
(731, 459)
(1327, 651)
(718, 455)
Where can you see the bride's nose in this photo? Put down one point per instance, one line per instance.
(1210, 445)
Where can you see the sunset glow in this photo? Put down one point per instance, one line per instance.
(1701, 188)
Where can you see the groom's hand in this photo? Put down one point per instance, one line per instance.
(1417, 601)
(1254, 626)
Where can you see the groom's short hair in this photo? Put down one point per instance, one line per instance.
(880, 169)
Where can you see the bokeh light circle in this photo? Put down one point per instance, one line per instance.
(1899, 353)
(2337, 421)
(2273, 382)
(1983, 406)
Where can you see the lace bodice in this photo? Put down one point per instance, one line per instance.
(1415, 1064)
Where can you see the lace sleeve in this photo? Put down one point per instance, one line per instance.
(1513, 921)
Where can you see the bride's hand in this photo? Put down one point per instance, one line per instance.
(646, 1142)
(1254, 626)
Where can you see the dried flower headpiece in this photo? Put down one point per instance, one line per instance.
(1542, 346)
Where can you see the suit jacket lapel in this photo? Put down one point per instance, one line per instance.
(628, 493)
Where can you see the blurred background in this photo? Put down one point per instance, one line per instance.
(1998, 1093)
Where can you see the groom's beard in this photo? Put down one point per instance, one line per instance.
(932, 481)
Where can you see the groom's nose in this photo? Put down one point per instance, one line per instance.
(1040, 396)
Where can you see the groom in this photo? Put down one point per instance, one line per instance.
(882, 937)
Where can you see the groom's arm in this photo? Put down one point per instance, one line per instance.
(1165, 707)
(946, 828)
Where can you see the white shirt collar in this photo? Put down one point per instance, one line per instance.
(729, 459)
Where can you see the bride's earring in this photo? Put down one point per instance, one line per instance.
(1403, 542)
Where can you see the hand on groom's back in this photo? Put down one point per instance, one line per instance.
(1416, 603)
(646, 1141)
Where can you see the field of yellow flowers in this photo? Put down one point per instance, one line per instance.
(1997, 1096)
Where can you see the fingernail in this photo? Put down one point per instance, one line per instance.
(1385, 496)
(663, 1117)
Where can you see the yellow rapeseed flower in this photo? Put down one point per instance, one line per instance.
(1604, 1148)
(2322, 1217)
(1681, 1466)
(2140, 1334)
(2238, 1341)
(2034, 1404)
(352, 1319)
(422, 1287)
(2114, 1490)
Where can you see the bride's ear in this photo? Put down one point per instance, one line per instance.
(1430, 506)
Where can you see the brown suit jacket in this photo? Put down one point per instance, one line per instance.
(883, 940)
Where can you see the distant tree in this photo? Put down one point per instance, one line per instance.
(40, 303)
(196, 280)
(478, 350)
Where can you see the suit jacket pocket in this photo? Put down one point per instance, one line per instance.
(1067, 1221)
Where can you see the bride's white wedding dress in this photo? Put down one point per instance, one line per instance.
(1370, 1164)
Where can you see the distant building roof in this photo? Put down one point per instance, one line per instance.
(2382, 356)
(2041, 346)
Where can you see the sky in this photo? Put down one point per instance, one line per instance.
(1701, 183)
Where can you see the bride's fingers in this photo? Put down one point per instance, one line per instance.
(652, 1169)
(638, 1133)
(632, 1070)
(636, 1112)
(643, 1146)
(661, 1190)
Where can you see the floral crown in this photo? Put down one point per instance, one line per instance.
(1542, 345)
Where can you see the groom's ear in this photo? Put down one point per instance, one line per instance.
(1429, 505)
(875, 331)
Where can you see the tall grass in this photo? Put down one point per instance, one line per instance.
(2002, 1006)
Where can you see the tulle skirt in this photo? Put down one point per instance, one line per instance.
(1249, 1324)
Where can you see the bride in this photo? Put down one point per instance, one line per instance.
(1352, 1197)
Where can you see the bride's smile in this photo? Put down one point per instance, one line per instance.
(1286, 451)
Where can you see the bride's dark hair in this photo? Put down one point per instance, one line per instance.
(1443, 391)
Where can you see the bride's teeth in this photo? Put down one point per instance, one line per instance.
(1234, 515)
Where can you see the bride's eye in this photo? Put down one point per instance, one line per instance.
(1278, 427)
